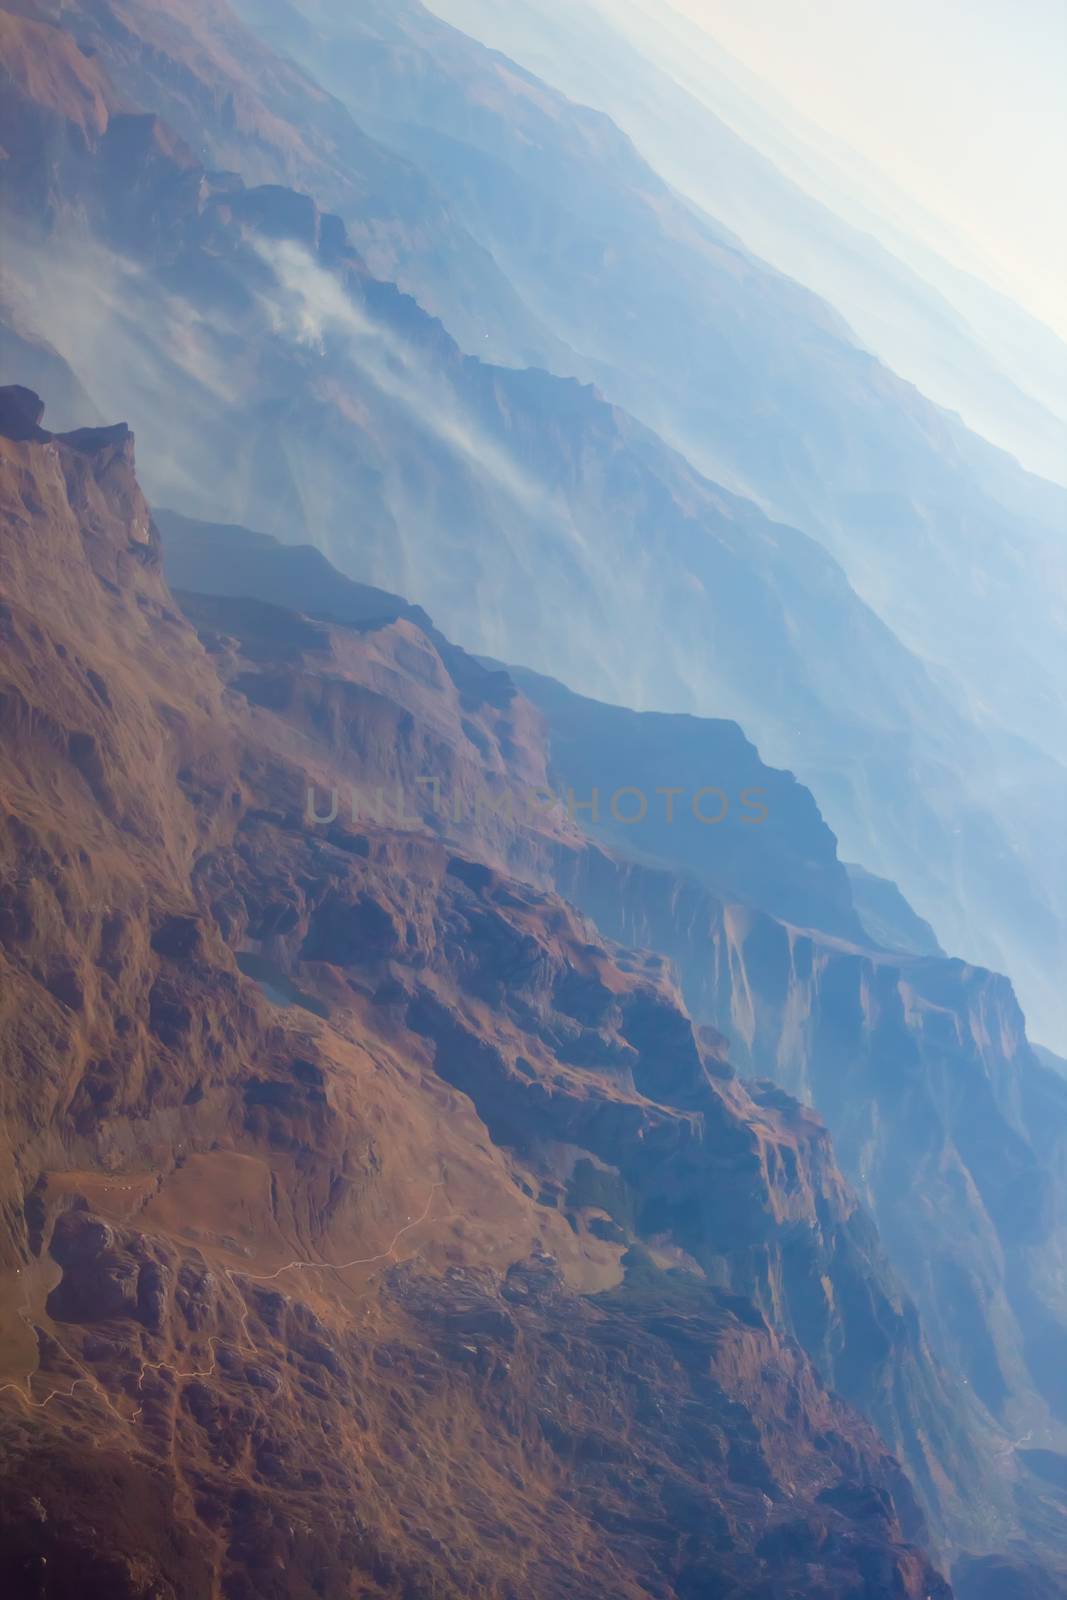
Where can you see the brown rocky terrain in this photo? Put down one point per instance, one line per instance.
(901, 1055)
(944, 1117)
(920, 1063)
(472, 1269)
(231, 1037)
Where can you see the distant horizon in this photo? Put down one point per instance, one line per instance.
(981, 144)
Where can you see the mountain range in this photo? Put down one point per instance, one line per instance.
(904, 735)
(523, 1102)
(800, 202)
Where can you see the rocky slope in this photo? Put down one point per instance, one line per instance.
(945, 1119)
(471, 1268)
(947, 1122)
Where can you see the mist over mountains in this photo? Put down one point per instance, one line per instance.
(956, 740)
(802, 202)
(710, 483)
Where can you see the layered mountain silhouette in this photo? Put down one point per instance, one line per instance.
(702, 339)
(946, 1122)
(281, 385)
(703, 123)
(277, 1271)
(195, 749)
(514, 886)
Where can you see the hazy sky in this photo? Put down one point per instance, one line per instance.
(961, 102)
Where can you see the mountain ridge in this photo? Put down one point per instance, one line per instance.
(413, 1179)
(175, 1324)
(446, 457)
(881, 1043)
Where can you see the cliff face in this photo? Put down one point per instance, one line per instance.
(943, 1116)
(945, 1121)
(920, 1064)
(693, 789)
(439, 1253)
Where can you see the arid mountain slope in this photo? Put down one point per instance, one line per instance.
(948, 1124)
(428, 1281)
